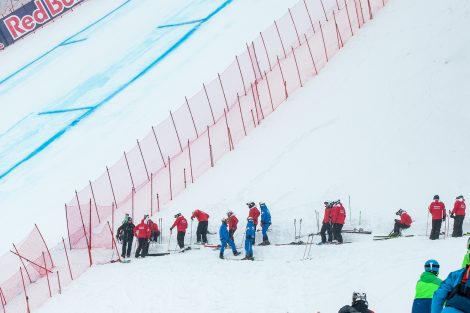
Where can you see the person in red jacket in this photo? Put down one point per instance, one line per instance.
(326, 227)
(232, 221)
(154, 231)
(403, 223)
(253, 213)
(202, 225)
(458, 214)
(338, 216)
(142, 232)
(181, 225)
(438, 212)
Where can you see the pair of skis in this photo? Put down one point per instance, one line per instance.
(386, 237)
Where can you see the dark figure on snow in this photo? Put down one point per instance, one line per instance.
(142, 232)
(232, 221)
(326, 224)
(249, 239)
(265, 223)
(438, 212)
(202, 225)
(154, 231)
(458, 214)
(454, 291)
(225, 238)
(338, 217)
(427, 284)
(403, 223)
(125, 233)
(181, 225)
(359, 304)
(254, 213)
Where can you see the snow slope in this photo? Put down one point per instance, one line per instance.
(386, 123)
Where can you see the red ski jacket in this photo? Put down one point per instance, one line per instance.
(180, 223)
(254, 213)
(153, 226)
(327, 216)
(232, 223)
(142, 230)
(338, 214)
(405, 218)
(459, 208)
(437, 209)
(200, 215)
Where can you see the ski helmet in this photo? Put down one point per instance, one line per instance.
(177, 215)
(460, 197)
(250, 204)
(358, 297)
(399, 212)
(431, 266)
(224, 220)
(436, 197)
(229, 213)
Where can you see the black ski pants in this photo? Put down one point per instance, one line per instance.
(458, 222)
(142, 248)
(230, 234)
(325, 229)
(127, 247)
(180, 239)
(155, 235)
(201, 232)
(436, 229)
(337, 232)
(398, 227)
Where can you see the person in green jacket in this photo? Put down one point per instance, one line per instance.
(466, 258)
(427, 284)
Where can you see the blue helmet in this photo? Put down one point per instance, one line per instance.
(431, 266)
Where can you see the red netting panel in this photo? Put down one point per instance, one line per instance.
(304, 61)
(161, 184)
(232, 82)
(201, 111)
(200, 155)
(167, 138)
(120, 180)
(138, 168)
(141, 203)
(247, 66)
(184, 124)
(301, 18)
(217, 98)
(265, 101)
(273, 44)
(151, 153)
(288, 32)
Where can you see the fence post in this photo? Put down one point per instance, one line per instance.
(169, 175)
(282, 75)
(295, 27)
(22, 262)
(241, 114)
(89, 227)
(151, 195)
(266, 50)
(254, 102)
(297, 66)
(256, 59)
(309, 16)
(24, 289)
(132, 203)
(311, 55)
(176, 131)
(84, 230)
(251, 60)
(58, 281)
(269, 90)
(143, 159)
(129, 169)
(323, 39)
(67, 256)
(190, 163)
(67, 220)
(111, 184)
(223, 91)
(253, 117)
(112, 223)
(94, 201)
(159, 149)
(338, 34)
(362, 12)
(349, 18)
(158, 203)
(192, 118)
(47, 248)
(324, 12)
(114, 242)
(259, 100)
(210, 147)
(2, 299)
(241, 75)
(228, 131)
(47, 275)
(282, 43)
(209, 102)
(184, 176)
(370, 10)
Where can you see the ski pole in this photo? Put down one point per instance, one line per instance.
(191, 236)
(427, 224)
(169, 240)
(306, 246)
(300, 228)
(295, 230)
(317, 216)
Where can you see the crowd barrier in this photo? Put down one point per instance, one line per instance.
(188, 143)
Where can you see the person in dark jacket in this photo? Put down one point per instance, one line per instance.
(359, 304)
(249, 239)
(181, 225)
(438, 211)
(202, 226)
(225, 238)
(453, 296)
(125, 233)
(142, 232)
(265, 223)
(426, 286)
(326, 224)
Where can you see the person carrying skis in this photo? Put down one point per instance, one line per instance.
(359, 304)
(253, 213)
(326, 224)
(338, 217)
(154, 231)
(225, 238)
(403, 223)
(427, 284)
(438, 212)
(181, 225)
(142, 232)
(265, 223)
(202, 225)
(458, 214)
(466, 258)
(453, 295)
(232, 224)
(249, 239)
(125, 233)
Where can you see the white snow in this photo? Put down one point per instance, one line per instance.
(385, 123)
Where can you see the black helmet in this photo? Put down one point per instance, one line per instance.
(359, 298)
(459, 197)
(177, 215)
(250, 204)
(399, 212)
(436, 197)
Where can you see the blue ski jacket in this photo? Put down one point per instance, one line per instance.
(250, 230)
(265, 214)
(223, 232)
(447, 286)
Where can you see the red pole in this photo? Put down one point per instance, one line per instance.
(25, 294)
(324, 12)
(337, 5)
(176, 131)
(295, 27)
(241, 75)
(184, 176)
(282, 44)
(282, 75)
(29, 261)
(357, 14)
(251, 60)
(370, 10)
(349, 18)
(2, 298)
(241, 115)
(68, 261)
(223, 91)
(159, 149)
(169, 175)
(259, 100)
(114, 242)
(210, 147)
(209, 102)
(311, 55)
(151, 195)
(89, 227)
(269, 90)
(254, 102)
(309, 16)
(192, 118)
(228, 131)
(94, 201)
(47, 248)
(21, 260)
(158, 202)
(253, 117)
(338, 34)
(323, 38)
(47, 275)
(132, 203)
(297, 65)
(58, 281)
(190, 162)
(111, 184)
(67, 220)
(362, 12)
(84, 231)
(129, 169)
(143, 159)
(266, 50)
(112, 224)
(256, 59)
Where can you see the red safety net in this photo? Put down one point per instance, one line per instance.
(195, 137)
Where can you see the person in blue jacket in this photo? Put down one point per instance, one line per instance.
(225, 238)
(454, 292)
(265, 223)
(249, 238)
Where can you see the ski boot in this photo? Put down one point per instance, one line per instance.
(221, 256)
(246, 257)
(236, 253)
